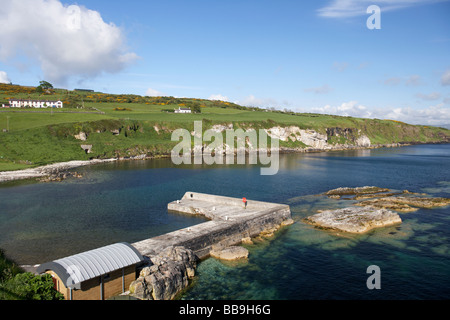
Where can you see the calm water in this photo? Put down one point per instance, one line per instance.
(127, 202)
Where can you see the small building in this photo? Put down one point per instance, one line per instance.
(97, 274)
(84, 90)
(183, 110)
(20, 103)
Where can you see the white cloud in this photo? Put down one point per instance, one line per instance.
(153, 93)
(252, 101)
(431, 115)
(4, 77)
(340, 66)
(445, 79)
(431, 96)
(353, 8)
(347, 109)
(392, 81)
(218, 97)
(413, 80)
(65, 40)
(320, 90)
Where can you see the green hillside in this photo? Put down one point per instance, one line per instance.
(130, 125)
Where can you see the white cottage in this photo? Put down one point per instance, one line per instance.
(17, 103)
(183, 110)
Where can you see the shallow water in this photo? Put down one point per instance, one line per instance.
(127, 201)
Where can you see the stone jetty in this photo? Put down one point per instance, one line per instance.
(172, 257)
(230, 222)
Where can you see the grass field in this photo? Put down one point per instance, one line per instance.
(41, 136)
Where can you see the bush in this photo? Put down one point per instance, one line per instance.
(15, 284)
(26, 286)
(8, 268)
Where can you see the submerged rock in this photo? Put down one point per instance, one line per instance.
(405, 204)
(230, 253)
(354, 219)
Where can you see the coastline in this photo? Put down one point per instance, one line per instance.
(47, 170)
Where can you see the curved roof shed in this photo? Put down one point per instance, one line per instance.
(75, 269)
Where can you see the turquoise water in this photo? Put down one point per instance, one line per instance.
(127, 202)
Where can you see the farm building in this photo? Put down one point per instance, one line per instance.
(97, 274)
(183, 110)
(19, 103)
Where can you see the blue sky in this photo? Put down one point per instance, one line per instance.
(308, 56)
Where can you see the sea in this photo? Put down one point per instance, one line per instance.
(127, 201)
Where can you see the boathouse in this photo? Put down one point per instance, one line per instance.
(97, 274)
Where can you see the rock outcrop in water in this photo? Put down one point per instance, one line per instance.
(358, 191)
(405, 203)
(354, 219)
(375, 210)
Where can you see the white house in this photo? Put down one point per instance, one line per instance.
(16, 103)
(183, 110)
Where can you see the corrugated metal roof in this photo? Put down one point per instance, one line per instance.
(90, 264)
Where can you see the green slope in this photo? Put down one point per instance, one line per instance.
(38, 137)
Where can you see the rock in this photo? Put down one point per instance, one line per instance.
(355, 191)
(381, 198)
(230, 253)
(56, 176)
(354, 219)
(140, 289)
(363, 141)
(81, 136)
(287, 222)
(309, 137)
(372, 195)
(247, 240)
(405, 204)
(383, 204)
(166, 276)
(87, 148)
(269, 233)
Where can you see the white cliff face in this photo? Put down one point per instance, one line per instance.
(221, 127)
(309, 137)
(363, 141)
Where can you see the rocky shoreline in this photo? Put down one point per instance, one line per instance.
(51, 172)
(61, 170)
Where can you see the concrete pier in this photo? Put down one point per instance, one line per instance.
(230, 221)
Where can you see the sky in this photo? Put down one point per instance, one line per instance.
(305, 56)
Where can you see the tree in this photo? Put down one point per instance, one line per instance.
(45, 85)
(196, 109)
